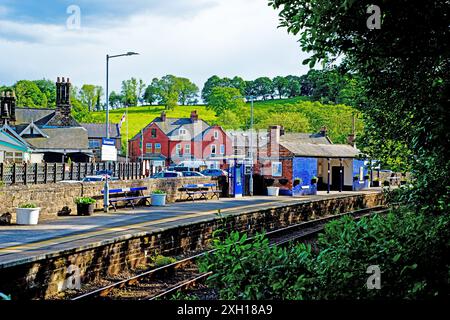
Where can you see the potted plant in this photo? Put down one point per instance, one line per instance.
(356, 178)
(283, 181)
(314, 180)
(376, 182)
(158, 198)
(366, 177)
(28, 213)
(297, 181)
(85, 206)
(269, 182)
(273, 191)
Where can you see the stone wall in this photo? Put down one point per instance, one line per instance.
(54, 196)
(44, 278)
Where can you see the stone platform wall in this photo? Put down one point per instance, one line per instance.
(44, 278)
(54, 196)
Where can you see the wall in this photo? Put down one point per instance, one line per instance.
(54, 196)
(43, 278)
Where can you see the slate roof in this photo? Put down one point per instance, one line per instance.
(11, 142)
(27, 115)
(321, 150)
(72, 138)
(98, 130)
(315, 138)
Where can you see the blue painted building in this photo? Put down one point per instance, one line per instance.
(292, 160)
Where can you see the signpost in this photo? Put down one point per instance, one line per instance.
(109, 150)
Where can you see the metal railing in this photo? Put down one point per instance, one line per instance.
(42, 173)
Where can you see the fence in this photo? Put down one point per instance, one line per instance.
(41, 173)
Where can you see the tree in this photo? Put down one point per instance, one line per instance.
(140, 91)
(153, 94)
(48, 88)
(130, 92)
(291, 121)
(211, 83)
(280, 86)
(293, 88)
(115, 100)
(29, 95)
(405, 73)
(239, 83)
(251, 90)
(263, 87)
(98, 95)
(88, 96)
(188, 91)
(224, 98)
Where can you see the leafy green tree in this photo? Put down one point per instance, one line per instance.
(140, 91)
(293, 86)
(224, 98)
(98, 95)
(115, 100)
(130, 91)
(88, 96)
(280, 85)
(404, 68)
(211, 83)
(263, 87)
(188, 91)
(238, 83)
(48, 88)
(29, 95)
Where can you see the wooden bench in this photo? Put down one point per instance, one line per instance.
(131, 196)
(203, 190)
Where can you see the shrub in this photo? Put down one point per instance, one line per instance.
(160, 260)
(84, 200)
(158, 192)
(28, 206)
(2, 184)
(404, 244)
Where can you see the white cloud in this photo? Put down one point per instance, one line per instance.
(233, 37)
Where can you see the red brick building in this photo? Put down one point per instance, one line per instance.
(167, 141)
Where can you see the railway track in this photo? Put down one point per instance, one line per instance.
(183, 274)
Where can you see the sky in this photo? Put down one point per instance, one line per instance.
(188, 38)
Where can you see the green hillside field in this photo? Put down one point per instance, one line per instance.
(296, 114)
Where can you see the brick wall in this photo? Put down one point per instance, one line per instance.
(53, 197)
(46, 277)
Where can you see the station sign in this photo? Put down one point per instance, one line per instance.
(109, 150)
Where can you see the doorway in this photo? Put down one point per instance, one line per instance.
(336, 178)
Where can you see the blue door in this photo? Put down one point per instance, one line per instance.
(238, 180)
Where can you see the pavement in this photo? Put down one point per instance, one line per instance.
(49, 238)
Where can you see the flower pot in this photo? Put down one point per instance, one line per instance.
(27, 216)
(273, 191)
(159, 199)
(376, 184)
(85, 209)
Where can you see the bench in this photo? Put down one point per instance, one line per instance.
(203, 190)
(131, 196)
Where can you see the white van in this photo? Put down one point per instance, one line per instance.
(192, 164)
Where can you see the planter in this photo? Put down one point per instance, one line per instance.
(27, 216)
(273, 191)
(159, 199)
(283, 182)
(85, 209)
(269, 182)
(376, 184)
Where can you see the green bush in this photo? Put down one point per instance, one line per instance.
(28, 206)
(405, 245)
(160, 260)
(159, 192)
(84, 200)
(2, 184)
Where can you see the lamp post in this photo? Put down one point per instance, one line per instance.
(106, 188)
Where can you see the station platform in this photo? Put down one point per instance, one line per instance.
(25, 244)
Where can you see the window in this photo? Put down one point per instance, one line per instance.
(187, 149)
(157, 147)
(277, 169)
(222, 149)
(149, 148)
(178, 149)
(213, 149)
(16, 157)
(94, 144)
(216, 134)
(153, 133)
(182, 132)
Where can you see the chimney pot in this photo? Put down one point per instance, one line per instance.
(163, 116)
(58, 80)
(194, 115)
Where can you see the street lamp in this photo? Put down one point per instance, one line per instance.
(106, 189)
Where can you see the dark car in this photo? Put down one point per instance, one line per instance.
(214, 173)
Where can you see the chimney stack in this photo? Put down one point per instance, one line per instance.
(7, 107)
(194, 116)
(163, 116)
(63, 106)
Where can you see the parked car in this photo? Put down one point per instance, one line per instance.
(167, 174)
(178, 169)
(192, 164)
(192, 174)
(214, 173)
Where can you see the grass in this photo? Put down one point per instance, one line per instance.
(336, 117)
